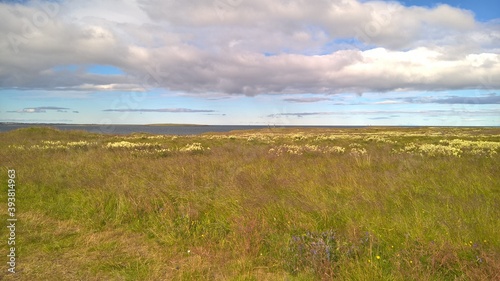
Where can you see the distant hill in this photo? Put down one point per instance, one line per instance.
(175, 125)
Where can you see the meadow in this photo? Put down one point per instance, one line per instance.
(273, 204)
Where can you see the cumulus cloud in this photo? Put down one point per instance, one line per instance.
(247, 47)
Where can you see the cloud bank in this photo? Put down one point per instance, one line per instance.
(165, 110)
(242, 47)
(41, 109)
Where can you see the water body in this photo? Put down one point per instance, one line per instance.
(160, 130)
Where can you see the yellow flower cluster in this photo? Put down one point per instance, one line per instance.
(80, 144)
(428, 149)
(369, 136)
(18, 147)
(325, 137)
(298, 137)
(379, 139)
(194, 147)
(438, 150)
(159, 137)
(156, 151)
(131, 145)
(357, 151)
(301, 149)
(488, 148)
(287, 148)
(145, 137)
(49, 145)
(46, 147)
(337, 137)
(455, 147)
(333, 149)
(261, 138)
(140, 148)
(55, 145)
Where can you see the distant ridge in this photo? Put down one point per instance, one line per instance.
(176, 125)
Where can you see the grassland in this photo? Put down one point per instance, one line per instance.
(280, 204)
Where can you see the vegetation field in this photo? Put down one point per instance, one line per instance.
(274, 204)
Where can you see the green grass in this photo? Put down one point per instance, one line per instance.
(278, 204)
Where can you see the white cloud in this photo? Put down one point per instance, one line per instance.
(388, 102)
(41, 109)
(197, 47)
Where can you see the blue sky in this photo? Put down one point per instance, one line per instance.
(483, 10)
(338, 62)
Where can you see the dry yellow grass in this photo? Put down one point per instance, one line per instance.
(281, 204)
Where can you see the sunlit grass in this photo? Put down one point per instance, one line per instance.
(280, 204)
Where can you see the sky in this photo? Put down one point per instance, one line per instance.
(258, 62)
